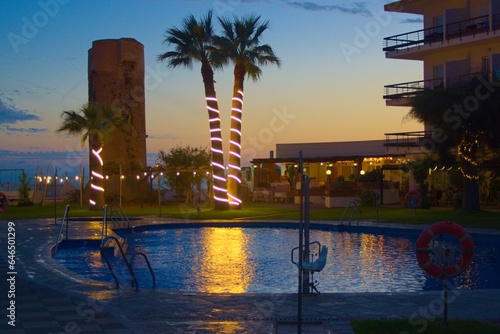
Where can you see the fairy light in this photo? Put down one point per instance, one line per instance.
(467, 152)
(234, 169)
(219, 183)
(96, 176)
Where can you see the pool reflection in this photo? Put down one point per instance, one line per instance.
(224, 263)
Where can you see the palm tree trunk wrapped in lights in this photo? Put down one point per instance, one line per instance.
(96, 178)
(95, 124)
(240, 44)
(194, 43)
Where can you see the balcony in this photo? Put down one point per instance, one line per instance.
(407, 139)
(403, 91)
(438, 34)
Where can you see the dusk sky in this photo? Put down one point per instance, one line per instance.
(329, 87)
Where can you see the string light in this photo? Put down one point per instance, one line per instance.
(96, 175)
(219, 183)
(467, 152)
(234, 169)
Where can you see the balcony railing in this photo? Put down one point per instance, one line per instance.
(435, 34)
(406, 139)
(412, 88)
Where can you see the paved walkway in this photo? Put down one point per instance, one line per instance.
(50, 299)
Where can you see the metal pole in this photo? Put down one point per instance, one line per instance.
(120, 184)
(301, 245)
(159, 192)
(55, 193)
(445, 299)
(305, 275)
(81, 186)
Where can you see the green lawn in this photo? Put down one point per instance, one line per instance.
(423, 326)
(272, 211)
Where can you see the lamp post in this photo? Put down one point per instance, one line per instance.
(55, 193)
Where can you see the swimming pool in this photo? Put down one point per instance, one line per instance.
(257, 259)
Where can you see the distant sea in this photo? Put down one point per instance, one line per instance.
(13, 164)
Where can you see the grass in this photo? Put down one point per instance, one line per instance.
(419, 326)
(272, 211)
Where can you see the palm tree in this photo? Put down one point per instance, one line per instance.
(240, 44)
(97, 125)
(465, 119)
(193, 42)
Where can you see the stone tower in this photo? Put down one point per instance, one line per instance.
(116, 79)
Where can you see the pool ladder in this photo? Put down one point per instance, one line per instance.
(117, 216)
(355, 208)
(128, 264)
(64, 219)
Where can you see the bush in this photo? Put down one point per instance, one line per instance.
(368, 197)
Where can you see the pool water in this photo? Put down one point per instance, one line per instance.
(258, 260)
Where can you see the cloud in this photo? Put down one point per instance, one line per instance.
(9, 114)
(413, 20)
(162, 137)
(28, 131)
(354, 8)
(350, 8)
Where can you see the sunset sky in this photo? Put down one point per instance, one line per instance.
(329, 87)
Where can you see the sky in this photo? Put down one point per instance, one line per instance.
(328, 88)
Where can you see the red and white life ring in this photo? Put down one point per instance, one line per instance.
(429, 234)
(3, 203)
(413, 199)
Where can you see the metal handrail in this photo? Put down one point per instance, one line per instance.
(355, 209)
(457, 29)
(64, 219)
(129, 267)
(118, 216)
(311, 255)
(149, 267)
(412, 88)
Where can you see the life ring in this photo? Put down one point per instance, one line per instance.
(3, 203)
(429, 234)
(413, 199)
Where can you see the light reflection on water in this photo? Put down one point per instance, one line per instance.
(237, 260)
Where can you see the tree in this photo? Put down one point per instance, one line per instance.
(464, 119)
(184, 169)
(24, 190)
(240, 44)
(193, 42)
(95, 124)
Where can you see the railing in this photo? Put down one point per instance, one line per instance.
(127, 264)
(406, 139)
(311, 254)
(149, 267)
(468, 27)
(118, 216)
(355, 208)
(458, 29)
(412, 88)
(413, 38)
(65, 217)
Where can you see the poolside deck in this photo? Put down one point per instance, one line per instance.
(49, 298)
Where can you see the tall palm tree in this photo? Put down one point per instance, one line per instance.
(95, 124)
(193, 42)
(240, 44)
(462, 127)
